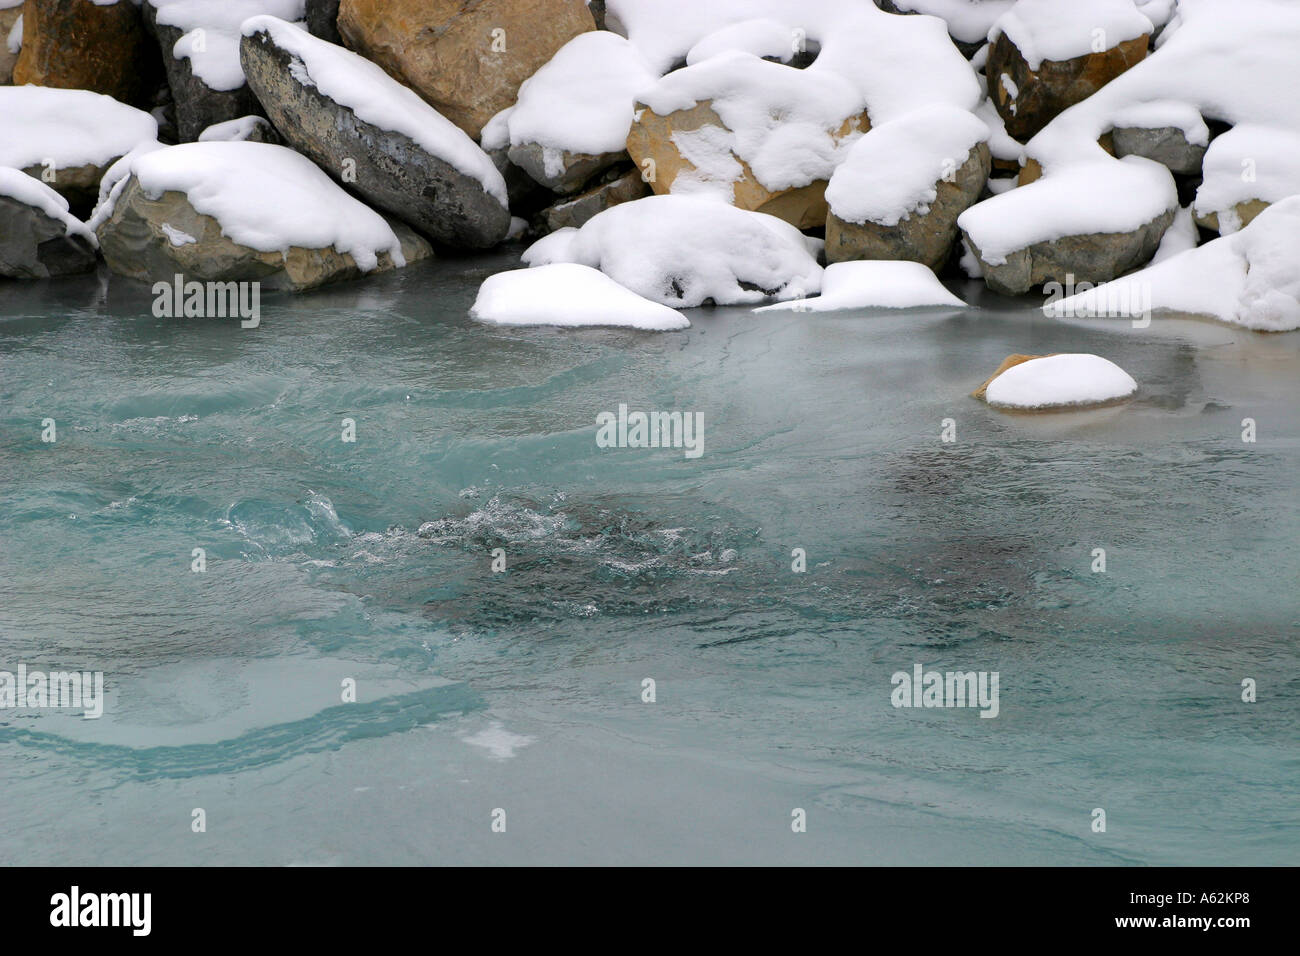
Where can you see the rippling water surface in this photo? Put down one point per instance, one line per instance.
(372, 562)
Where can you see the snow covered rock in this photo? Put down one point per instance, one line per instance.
(1250, 278)
(375, 135)
(245, 129)
(68, 138)
(1170, 132)
(873, 285)
(84, 45)
(1056, 382)
(1091, 220)
(898, 193)
(969, 21)
(685, 251)
(572, 117)
(200, 210)
(1246, 169)
(763, 136)
(569, 295)
(11, 38)
(200, 45)
(38, 238)
(575, 212)
(467, 59)
(1046, 56)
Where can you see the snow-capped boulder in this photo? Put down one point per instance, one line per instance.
(245, 129)
(200, 210)
(1170, 132)
(466, 59)
(84, 45)
(569, 295)
(1093, 221)
(1056, 382)
(1250, 278)
(1046, 56)
(873, 285)
(763, 136)
(762, 37)
(375, 135)
(900, 189)
(576, 211)
(968, 21)
(1246, 169)
(11, 38)
(67, 138)
(38, 237)
(200, 46)
(572, 117)
(685, 251)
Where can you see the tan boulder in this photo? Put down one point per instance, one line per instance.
(467, 58)
(652, 139)
(81, 45)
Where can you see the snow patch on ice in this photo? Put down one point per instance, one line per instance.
(569, 295)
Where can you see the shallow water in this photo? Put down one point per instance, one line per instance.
(522, 690)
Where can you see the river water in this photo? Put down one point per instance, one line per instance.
(519, 697)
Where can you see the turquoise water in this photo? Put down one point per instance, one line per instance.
(371, 561)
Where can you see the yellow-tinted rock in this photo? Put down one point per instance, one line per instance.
(80, 45)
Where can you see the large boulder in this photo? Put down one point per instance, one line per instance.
(467, 58)
(200, 46)
(199, 210)
(1045, 56)
(900, 190)
(84, 45)
(38, 238)
(764, 136)
(374, 135)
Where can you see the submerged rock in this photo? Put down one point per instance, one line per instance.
(375, 136)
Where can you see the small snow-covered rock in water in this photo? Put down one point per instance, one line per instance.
(1067, 380)
(569, 295)
(375, 135)
(75, 135)
(1250, 278)
(218, 194)
(38, 237)
(898, 193)
(572, 117)
(684, 251)
(245, 129)
(866, 284)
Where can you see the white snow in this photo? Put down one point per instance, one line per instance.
(878, 284)
(374, 96)
(496, 132)
(1179, 237)
(177, 237)
(581, 101)
(763, 37)
(968, 20)
(1064, 29)
(237, 183)
(211, 37)
(68, 127)
(1250, 278)
(683, 250)
(1001, 144)
(569, 295)
(1249, 161)
(16, 184)
(1060, 380)
(14, 41)
(1096, 196)
(892, 171)
(233, 131)
(500, 743)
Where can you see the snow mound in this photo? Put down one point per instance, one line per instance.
(763, 37)
(1247, 162)
(236, 183)
(569, 295)
(16, 184)
(968, 20)
(1250, 278)
(210, 33)
(71, 128)
(1057, 381)
(892, 170)
(233, 131)
(1052, 30)
(870, 284)
(683, 251)
(581, 101)
(354, 82)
